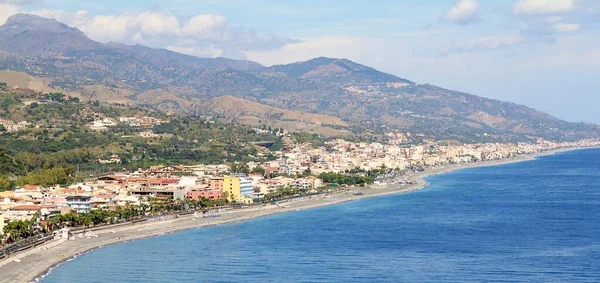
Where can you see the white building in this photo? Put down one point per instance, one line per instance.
(81, 204)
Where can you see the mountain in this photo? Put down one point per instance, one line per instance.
(334, 71)
(30, 35)
(239, 110)
(363, 100)
(44, 46)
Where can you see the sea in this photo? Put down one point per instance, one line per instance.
(534, 221)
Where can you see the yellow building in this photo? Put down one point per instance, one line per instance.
(7, 194)
(238, 189)
(5, 200)
(101, 192)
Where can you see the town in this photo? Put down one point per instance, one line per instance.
(299, 169)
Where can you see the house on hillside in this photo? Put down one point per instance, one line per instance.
(114, 159)
(102, 124)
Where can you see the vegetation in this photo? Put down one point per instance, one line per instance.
(6, 184)
(61, 175)
(240, 168)
(314, 139)
(342, 179)
(21, 229)
(258, 170)
(284, 193)
(59, 146)
(370, 101)
(17, 230)
(9, 165)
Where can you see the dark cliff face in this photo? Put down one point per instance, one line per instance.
(368, 99)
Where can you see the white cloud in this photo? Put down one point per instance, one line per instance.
(554, 19)
(484, 44)
(543, 7)
(562, 27)
(308, 48)
(207, 51)
(498, 42)
(464, 12)
(113, 28)
(21, 2)
(546, 29)
(203, 35)
(205, 26)
(6, 10)
(294, 11)
(151, 24)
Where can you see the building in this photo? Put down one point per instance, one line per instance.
(162, 193)
(28, 211)
(307, 183)
(215, 183)
(246, 187)
(238, 188)
(22, 212)
(113, 159)
(197, 194)
(102, 124)
(81, 204)
(29, 191)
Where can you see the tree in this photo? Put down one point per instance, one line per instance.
(18, 229)
(55, 222)
(225, 196)
(8, 164)
(59, 174)
(5, 184)
(258, 170)
(56, 96)
(240, 168)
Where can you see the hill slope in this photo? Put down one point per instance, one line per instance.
(368, 100)
(334, 71)
(238, 110)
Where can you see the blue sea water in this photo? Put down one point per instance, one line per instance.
(535, 221)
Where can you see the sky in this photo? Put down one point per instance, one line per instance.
(541, 53)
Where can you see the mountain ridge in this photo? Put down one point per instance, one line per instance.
(369, 101)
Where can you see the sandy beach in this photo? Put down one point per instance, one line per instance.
(31, 264)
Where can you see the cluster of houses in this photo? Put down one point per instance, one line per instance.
(217, 182)
(135, 188)
(341, 156)
(103, 123)
(141, 121)
(113, 159)
(11, 126)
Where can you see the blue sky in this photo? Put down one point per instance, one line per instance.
(541, 53)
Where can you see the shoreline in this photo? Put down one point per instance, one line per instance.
(38, 262)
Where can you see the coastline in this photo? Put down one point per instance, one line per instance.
(39, 261)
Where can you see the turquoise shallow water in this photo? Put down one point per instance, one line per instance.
(534, 221)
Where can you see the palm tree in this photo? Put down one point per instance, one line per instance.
(145, 207)
(19, 229)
